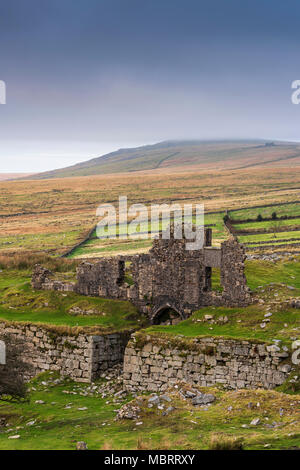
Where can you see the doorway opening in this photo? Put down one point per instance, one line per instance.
(167, 316)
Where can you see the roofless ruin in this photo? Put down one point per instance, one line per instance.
(168, 283)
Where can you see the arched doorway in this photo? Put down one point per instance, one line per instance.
(166, 316)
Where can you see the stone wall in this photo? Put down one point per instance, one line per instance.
(83, 357)
(233, 279)
(152, 363)
(104, 278)
(42, 278)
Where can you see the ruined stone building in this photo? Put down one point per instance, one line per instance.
(169, 281)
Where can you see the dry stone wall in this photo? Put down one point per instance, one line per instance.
(82, 357)
(153, 364)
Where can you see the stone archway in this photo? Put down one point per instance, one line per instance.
(166, 315)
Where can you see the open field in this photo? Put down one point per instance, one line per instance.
(289, 210)
(291, 224)
(270, 237)
(73, 412)
(269, 226)
(53, 215)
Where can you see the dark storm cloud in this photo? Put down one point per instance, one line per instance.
(118, 71)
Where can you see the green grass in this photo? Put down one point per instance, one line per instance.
(280, 209)
(274, 244)
(109, 247)
(268, 224)
(187, 427)
(243, 323)
(58, 427)
(269, 237)
(260, 273)
(18, 302)
(45, 242)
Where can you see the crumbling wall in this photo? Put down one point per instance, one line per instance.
(106, 278)
(82, 357)
(169, 276)
(152, 363)
(233, 279)
(42, 279)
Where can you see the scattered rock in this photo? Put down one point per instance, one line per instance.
(189, 394)
(30, 423)
(255, 422)
(273, 348)
(154, 400)
(81, 445)
(208, 317)
(128, 411)
(168, 410)
(165, 398)
(203, 399)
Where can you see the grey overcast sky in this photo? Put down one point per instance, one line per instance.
(85, 77)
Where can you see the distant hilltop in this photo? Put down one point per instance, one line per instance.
(217, 155)
(11, 176)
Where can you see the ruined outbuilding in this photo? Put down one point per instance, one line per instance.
(169, 282)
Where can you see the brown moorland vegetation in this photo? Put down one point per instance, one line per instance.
(52, 215)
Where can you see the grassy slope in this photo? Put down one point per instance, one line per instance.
(18, 302)
(243, 323)
(280, 231)
(235, 154)
(187, 427)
